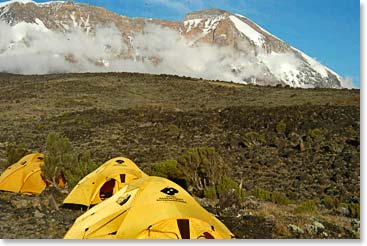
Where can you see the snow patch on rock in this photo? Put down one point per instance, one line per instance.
(248, 31)
(191, 24)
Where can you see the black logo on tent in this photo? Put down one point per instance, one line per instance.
(169, 191)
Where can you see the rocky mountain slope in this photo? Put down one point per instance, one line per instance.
(212, 44)
(295, 152)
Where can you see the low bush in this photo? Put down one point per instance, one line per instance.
(167, 169)
(210, 192)
(83, 166)
(306, 207)
(201, 168)
(227, 184)
(275, 197)
(281, 127)
(204, 167)
(330, 202)
(279, 198)
(173, 130)
(317, 134)
(253, 139)
(262, 194)
(61, 160)
(354, 210)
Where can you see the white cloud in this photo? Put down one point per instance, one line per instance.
(348, 83)
(178, 56)
(28, 49)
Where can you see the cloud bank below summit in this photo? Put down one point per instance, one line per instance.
(30, 48)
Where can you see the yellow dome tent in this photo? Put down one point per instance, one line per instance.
(103, 182)
(25, 176)
(149, 208)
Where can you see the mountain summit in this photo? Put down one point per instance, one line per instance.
(212, 43)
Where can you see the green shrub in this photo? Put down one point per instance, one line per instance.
(343, 205)
(210, 192)
(306, 207)
(262, 194)
(200, 168)
(14, 152)
(83, 166)
(198, 156)
(229, 192)
(275, 197)
(167, 169)
(317, 134)
(308, 139)
(204, 167)
(58, 154)
(281, 127)
(279, 198)
(62, 160)
(351, 132)
(354, 210)
(173, 130)
(225, 184)
(329, 202)
(251, 139)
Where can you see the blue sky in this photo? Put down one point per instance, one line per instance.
(328, 30)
